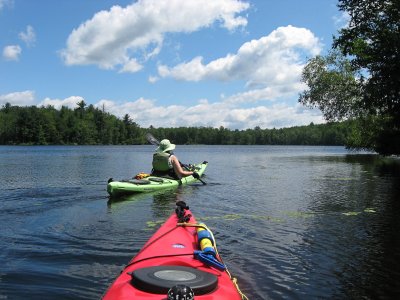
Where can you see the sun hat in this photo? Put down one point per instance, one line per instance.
(165, 145)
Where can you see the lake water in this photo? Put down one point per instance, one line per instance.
(290, 222)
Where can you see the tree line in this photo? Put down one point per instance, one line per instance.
(331, 134)
(87, 125)
(81, 126)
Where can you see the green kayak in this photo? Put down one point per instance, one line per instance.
(151, 183)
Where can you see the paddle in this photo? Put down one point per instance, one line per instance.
(152, 140)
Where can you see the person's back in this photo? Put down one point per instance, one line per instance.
(162, 165)
(166, 164)
(161, 162)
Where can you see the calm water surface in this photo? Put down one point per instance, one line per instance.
(290, 222)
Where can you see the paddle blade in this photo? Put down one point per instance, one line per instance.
(202, 181)
(151, 139)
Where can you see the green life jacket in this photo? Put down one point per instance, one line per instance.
(160, 162)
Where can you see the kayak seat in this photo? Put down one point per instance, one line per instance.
(160, 279)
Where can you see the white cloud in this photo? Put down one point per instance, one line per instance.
(267, 93)
(131, 66)
(29, 37)
(18, 98)
(146, 112)
(278, 116)
(112, 38)
(70, 102)
(12, 52)
(271, 65)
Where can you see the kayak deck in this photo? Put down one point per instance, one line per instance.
(169, 258)
(151, 183)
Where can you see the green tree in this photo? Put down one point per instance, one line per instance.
(359, 79)
(81, 108)
(333, 87)
(372, 41)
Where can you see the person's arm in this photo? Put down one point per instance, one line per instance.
(178, 168)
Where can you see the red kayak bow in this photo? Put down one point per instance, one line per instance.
(180, 261)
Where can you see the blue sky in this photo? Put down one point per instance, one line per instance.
(166, 63)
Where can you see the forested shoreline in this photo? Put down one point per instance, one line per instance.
(31, 125)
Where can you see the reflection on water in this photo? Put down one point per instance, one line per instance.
(290, 222)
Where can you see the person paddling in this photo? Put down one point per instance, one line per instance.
(165, 163)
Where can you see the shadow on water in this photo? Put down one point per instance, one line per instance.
(377, 272)
(383, 166)
(355, 234)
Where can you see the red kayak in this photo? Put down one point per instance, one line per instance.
(180, 261)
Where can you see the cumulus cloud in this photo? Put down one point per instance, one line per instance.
(270, 66)
(112, 38)
(12, 52)
(70, 102)
(18, 98)
(146, 112)
(29, 37)
(267, 93)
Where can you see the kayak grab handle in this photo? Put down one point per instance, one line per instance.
(209, 260)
